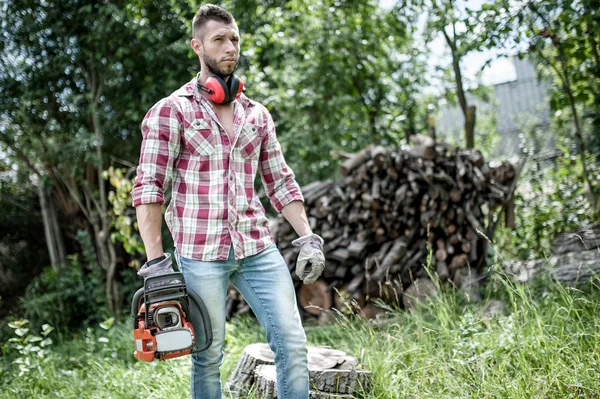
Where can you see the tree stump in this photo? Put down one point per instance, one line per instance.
(324, 384)
(242, 376)
(332, 373)
(266, 381)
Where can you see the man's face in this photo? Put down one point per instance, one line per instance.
(219, 48)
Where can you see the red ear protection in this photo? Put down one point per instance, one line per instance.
(221, 92)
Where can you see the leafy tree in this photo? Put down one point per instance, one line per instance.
(563, 36)
(336, 75)
(76, 79)
(461, 31)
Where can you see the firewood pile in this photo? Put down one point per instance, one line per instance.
(390, 210)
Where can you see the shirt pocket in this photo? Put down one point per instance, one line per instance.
(199, 138)
(249, 142)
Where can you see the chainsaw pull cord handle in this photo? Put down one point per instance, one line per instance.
(205, 322)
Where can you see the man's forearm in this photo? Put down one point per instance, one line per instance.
(149, 218)
(295, 214)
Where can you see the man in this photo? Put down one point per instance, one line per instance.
(211, 140)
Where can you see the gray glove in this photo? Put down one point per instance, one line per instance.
(160, 265)
(311, 255)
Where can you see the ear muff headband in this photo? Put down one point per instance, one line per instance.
(236, 87)
(233, 84)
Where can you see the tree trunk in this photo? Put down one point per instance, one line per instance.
(470, 126)
(106, 250)
(107, 259)
(578, 132)
(460, 92)
(60, 244)
(324, 384)
(582, 239)
(48, 228)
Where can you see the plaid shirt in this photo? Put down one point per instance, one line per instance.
(213, 203)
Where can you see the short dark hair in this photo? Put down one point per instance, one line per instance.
(207, 12)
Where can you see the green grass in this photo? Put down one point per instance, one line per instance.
(545, 346)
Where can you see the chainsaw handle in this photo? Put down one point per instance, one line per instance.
(135, 306)
(205, 322)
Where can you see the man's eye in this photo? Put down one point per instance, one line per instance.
(235, 40)
(218, 39)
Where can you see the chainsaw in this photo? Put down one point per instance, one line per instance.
(162, 319)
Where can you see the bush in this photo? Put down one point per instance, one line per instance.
(549, 200)
(66, 297)
(30, 351)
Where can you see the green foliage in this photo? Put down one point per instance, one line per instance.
(336, 76)
(76, 80)
(66, 60)
(66, 297)
(32, 350)
(544, 346)
(563, 37)
(550, 199)
(123, 213)
(551, 196)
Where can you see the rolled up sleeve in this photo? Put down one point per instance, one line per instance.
(160, 147)
(276, 175)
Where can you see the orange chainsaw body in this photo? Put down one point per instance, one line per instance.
(162, 328)
(147, 345)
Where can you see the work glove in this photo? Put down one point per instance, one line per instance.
(311, 261)
(161, 265)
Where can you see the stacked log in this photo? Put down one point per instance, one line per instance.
(572, 269)
(575, 259)
(582, 239)
(391, 211)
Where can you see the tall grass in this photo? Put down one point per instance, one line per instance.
(545, 345)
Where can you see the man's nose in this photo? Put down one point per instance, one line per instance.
(230, 47)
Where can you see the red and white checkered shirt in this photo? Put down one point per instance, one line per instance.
(213, 202)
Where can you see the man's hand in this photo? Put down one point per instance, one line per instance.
(311, 261)
(160, 265)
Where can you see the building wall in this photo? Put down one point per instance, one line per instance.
(517, 103)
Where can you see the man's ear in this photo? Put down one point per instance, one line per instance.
(197, 47)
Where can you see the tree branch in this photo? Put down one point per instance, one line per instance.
(74, 195)
(21, 155)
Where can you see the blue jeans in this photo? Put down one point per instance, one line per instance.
(265, 282)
